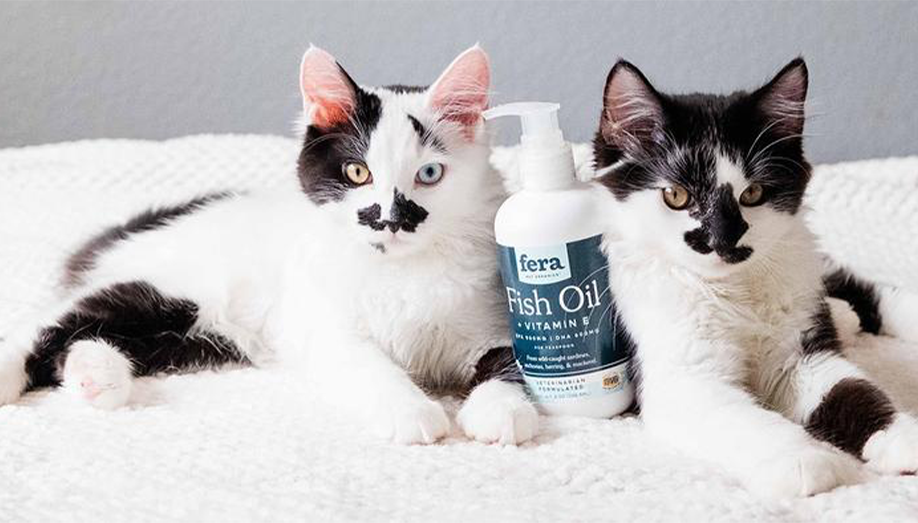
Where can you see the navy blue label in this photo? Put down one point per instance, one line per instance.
(563, 318)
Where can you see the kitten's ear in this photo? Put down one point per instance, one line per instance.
(782, 99)
(632, 113)
(461, 92)
(329, 94)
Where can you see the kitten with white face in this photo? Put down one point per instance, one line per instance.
(719, 283)
(388, 154)
(379, 274)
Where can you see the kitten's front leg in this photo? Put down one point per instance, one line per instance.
(498, 409)
(837, 403)
(715, 420)
(360, 378)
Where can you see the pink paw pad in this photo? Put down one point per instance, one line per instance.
(90, 389)
(96, 373)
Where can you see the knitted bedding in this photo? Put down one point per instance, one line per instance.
(252, 444)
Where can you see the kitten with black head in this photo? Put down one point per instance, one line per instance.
(378, 272)
(719, 283)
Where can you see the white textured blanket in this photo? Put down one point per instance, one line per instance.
(251, 445)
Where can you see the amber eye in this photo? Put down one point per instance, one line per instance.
(677, 197)
(356, 173)
(753, 195)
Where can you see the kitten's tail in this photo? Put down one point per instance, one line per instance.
(881, 309)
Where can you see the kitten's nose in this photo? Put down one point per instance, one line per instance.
(725, 221)
(405, 214)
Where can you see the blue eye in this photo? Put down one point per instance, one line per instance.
(430, 173)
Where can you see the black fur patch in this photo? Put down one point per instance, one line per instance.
(427, 138)
(699, 240)
(497, 363)
(860, 294)
(822, 336)
(326, 150)
(84, 259)
(405, 215)
(369, 216)
(152, 330)
(849, 414)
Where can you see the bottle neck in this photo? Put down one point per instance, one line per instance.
(547, 168)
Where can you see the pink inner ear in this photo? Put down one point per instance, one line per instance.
(784, 99)
(326, 90)
(461, 92)
(629, 104)
(631, 110)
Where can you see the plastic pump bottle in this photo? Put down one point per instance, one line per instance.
(567, 341)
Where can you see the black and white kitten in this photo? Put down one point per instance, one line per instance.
(379, 274)
(719, 283)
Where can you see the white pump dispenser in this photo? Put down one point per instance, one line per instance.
(572, 355)
(545, 158)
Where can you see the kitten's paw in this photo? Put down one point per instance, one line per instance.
(895, 449)
(412, 421)
(98, 374)
(847, 324)
(805, 473)
(499, 412)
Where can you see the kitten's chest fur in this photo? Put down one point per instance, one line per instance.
(434, 315)
(757, 309)
(733, 325)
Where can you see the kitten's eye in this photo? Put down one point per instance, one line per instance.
(753, 195)
(677, 197)
(356, 173)
(430, 173)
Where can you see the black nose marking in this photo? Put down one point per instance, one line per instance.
(726, 223)
(698, 239)
(736, 254)
(722, 227)
(369, 216)
(405, 215)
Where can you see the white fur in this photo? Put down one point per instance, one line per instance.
(12, 376)
(897, 308)
(895, 449)
(95, 372)
(717, 341)
(729, 172)
(846, 321)
(810, 471)
(289, 280)
(498, 412)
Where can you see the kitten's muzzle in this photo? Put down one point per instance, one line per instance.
(404, 215)
(721, 229)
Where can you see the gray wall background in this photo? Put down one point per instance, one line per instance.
(156, 70)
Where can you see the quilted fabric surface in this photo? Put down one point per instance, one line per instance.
(254, 445)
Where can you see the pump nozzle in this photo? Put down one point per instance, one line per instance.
(546, 161)
(538, 120)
